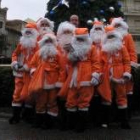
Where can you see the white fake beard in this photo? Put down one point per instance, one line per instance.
(65, 39)
(80, 50)
(47, 50)
(45, 30)
(112, 45)
(28, 41)
(122, 31)
(96, 36)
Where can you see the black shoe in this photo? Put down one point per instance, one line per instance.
(81, 121)
(125, 125)
(124, 119)
(105, 116)
(16, 115)
(49, 122)
(38, 121)
(28, 115)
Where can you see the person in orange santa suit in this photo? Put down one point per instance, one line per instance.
(116, 67)
(47, 72)
(65, 33)
(20, 65)
(122, 27)
(83, 72)
(44, 26)
(99, 112)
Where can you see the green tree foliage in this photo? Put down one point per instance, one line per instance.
(85, 9)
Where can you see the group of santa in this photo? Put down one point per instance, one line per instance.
(75, 65)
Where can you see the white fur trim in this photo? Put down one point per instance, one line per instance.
(65, 26)
(13, 64)
(73, 81)
(83, 109)
(51, 23)
(28, 106)
(119, 21)
(85, 83)
(130, 93)
(122, 106)
(127, 74)
(32, 71)
(134, 64)
(59, 84)
(117, 81)
(74, 109)
(16, 104)
(47, 86)
(17, 74)
(52, 114)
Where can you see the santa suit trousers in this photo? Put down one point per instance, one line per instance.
(79, 98)
(46, 101)
(17, 92)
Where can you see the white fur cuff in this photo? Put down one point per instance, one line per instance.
(32, 71)
(96, 75)
(13, 64)
(58, 84)
(127, 74)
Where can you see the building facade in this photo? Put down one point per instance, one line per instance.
(3, 33)
(131, 9)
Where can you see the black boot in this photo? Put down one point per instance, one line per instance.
(62, 118)
(16, 115)
(71, 120)
(124, 119)
(81, 121)
(105, 115)
(38, 121)
(49, 121)
(28, 114)
(130, 102)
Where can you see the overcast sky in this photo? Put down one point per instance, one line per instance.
(23, 9)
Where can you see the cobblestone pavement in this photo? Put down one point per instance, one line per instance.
(23, 131)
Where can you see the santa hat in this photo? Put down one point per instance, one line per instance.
(97, 24)
(110, 30)
(31, 25)
(65, 26)
(50, 23)
(46, 37)
(120, 21)
(81, 32)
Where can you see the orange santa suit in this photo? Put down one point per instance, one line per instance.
(48, 73)
(21, 58)
(83, 74)
(20, 65)
(128, 42)
(116, 67)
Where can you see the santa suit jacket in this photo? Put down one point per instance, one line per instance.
(47, 74)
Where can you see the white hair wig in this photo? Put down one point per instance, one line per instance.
(121, 22)
(65, 26)
(46, 37)
(51, 23)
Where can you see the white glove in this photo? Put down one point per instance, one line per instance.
(15, 67)
(94, 81)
